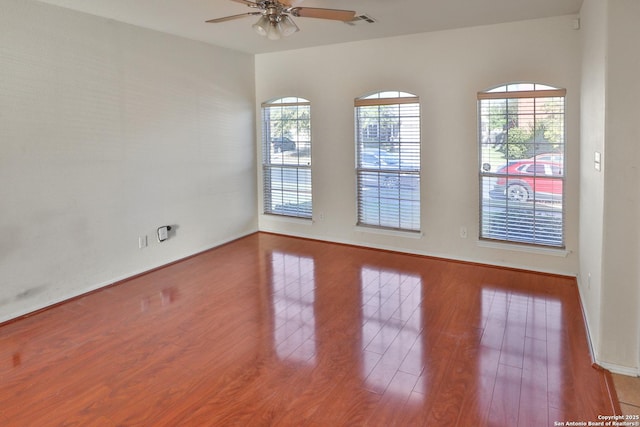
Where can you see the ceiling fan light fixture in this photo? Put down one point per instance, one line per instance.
(275, 31)
(262, 26)
(288, 26)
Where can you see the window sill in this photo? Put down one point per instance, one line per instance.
(394, 233)
(524, 248)
(289, 219)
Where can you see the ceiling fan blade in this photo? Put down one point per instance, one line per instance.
(229, 18)
(247, 2)
(291, 3)
(314, 12)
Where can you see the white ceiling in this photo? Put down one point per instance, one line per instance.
(394, 17)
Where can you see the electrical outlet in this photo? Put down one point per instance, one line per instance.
(142, 242)
(163, 233)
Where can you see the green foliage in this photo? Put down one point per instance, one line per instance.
(519, 136)
(522, 129)
(517, 146)
(378, 123)
(289, 121)
(497, 114)
(522, 143)
(515, 143)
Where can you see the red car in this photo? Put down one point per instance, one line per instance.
(525, 180)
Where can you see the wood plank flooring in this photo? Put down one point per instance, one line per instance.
(278, 331)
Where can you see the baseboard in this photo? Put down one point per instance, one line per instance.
(611, 367)
(428, 254)
(622, 370)
(585, 320)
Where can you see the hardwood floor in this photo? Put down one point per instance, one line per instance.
(271, 330)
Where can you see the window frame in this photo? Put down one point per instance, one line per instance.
(541, 217)
(406, 177)
(301, 189)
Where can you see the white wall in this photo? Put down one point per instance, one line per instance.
(621, 291)
(593, 19)
(446, 70)
(108, 131)
(619, 337)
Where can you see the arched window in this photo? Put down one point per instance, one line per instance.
(388, 160)
(522, 170)
(286, 157)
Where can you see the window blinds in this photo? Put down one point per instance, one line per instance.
(522, 173)
(286, 157)
(388, 161)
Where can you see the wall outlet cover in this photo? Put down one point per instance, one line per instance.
(163, 233)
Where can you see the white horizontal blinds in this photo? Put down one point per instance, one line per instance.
(287, 157)
(522, 169)
(388, 160)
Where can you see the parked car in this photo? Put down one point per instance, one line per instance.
(392, 172)
(282, 144)
(525, 179)
(375, 160)
(388, 160)
(550, 157)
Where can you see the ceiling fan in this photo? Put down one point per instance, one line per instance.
(275, 20)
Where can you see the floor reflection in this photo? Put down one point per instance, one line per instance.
(520, 365)
(391, 326)
(167, 296)
(293, 297)
(17, 359)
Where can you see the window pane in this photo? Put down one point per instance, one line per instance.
(522, 167)
(389, 199)
(287, 157)
(388, 162)
(288, 191)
